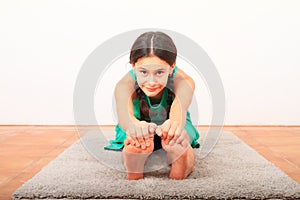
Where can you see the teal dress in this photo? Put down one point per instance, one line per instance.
(158, 116)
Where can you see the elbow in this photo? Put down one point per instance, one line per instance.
(116, 91)
(118, 88)
(191, 83)
(123, 91)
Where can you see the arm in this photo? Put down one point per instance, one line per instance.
(123, 91)
(137, 132)
(184, 87)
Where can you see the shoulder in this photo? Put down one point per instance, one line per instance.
(180, 74)
(126, 83)
(182, 77)
(127, 79)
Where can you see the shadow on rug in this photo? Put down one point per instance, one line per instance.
(231, 170)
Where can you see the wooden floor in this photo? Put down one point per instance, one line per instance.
(25, 150)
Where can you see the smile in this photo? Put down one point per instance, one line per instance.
(151, 89)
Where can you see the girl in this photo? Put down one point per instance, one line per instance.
(153, 98)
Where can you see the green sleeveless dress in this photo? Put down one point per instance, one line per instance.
(157, 115)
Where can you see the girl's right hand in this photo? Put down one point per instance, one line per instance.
(139, 133)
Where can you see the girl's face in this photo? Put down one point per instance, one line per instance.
(152, 75)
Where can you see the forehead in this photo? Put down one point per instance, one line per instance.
(151, 62)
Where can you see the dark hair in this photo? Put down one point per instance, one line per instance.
(154, 44)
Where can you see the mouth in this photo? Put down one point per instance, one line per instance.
(151, 89)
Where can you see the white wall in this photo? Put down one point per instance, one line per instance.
(254, 45)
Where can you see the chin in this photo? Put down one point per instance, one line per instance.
(152, 93)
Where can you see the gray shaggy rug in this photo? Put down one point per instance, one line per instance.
(231, 171)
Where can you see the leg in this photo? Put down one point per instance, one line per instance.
(181, 156)
(134, 159)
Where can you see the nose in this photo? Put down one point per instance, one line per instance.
(151, 79)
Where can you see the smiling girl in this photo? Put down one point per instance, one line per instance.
(152, 103)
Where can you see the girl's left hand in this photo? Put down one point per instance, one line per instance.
(139, 133)
(170, 131)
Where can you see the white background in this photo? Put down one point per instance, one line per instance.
(255, 46)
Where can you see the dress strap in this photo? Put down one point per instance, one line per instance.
(132, 75)
(174, 72)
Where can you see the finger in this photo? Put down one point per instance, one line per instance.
(130, 133)
(158, 131)
(145, 134)
(140, 138)
(180, 139)
(185, 143)
(128, 140)
(152, 128)
(166, 126)
(171, 133)
(177, 134)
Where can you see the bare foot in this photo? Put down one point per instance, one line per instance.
(134, 159)
(182, 158)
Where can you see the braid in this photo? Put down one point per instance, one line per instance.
(171, 94)
(144, 107)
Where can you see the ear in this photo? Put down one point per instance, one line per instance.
(172, 68)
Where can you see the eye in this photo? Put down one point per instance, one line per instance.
(143, 72)
(160, 73)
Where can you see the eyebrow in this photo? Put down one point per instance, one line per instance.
(160, 69)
